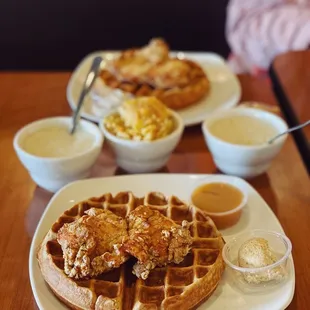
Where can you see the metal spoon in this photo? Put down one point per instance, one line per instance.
(289, 130)
(91, 76)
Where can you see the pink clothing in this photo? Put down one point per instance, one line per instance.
(258, 30)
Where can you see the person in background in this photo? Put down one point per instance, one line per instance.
(259, 30)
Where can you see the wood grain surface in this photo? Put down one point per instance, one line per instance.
(25, 97)
(293, 72)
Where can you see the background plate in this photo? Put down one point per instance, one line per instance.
(256, 214)
(225, 91)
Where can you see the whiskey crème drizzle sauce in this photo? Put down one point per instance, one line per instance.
(217, 198)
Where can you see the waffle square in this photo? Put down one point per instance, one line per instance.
(182, 286)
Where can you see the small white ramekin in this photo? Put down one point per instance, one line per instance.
(245, 161)
(52, 173)
(144, 156)
(225, 219)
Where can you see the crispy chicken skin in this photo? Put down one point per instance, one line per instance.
(155, 52)
(152, 65)
(171, 73)
(134, 64)
(92, 244)
(155, 240)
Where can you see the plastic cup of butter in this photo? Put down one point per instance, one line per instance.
(254, 279)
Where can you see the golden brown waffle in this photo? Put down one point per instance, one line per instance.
(182, 286)
(175, 98)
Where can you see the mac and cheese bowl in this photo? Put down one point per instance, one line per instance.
(142, 133)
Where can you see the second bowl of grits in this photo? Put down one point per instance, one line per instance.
(53, 156)
(142, 133)
(238, 140)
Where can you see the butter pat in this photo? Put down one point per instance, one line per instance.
(256, 253)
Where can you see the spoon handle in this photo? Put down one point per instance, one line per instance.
(91, 76)
(290, 130)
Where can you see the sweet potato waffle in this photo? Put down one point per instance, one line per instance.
(182, 286)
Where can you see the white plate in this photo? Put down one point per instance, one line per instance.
(225, 89)
(256, 214)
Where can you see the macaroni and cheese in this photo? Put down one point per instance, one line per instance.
(141, 119)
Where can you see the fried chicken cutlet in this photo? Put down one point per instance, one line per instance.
(92, 244)
(134, 64)
(155, 240)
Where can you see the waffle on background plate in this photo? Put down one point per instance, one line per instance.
(182, 286)
(150, 71)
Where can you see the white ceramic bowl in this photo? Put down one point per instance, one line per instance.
(260, 278)
(144, 156)
(244, 160)
(52, 173)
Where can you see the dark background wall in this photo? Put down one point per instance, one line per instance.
(55, 35)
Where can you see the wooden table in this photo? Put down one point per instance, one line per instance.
(26, 97)
(291, 79)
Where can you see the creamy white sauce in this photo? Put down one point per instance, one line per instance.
(244, 130)
(56, 141)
